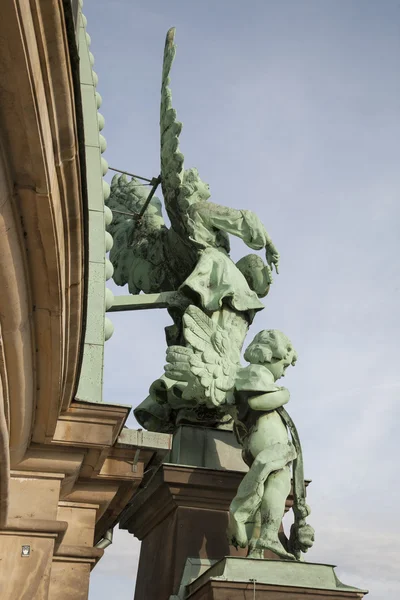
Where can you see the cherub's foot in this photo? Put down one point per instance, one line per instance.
(237, 535)
(255, 552)
(273, 544)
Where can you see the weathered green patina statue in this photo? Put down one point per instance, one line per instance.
(214, 303)
(191, 257)
(211, 369)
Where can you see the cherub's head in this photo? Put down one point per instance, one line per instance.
(272, 349)
(256, 273)
(193, 188)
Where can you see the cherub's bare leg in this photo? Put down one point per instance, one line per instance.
(272, 508)
(251, 491)
(244, 517)
(253, 533)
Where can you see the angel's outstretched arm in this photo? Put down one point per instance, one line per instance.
(207, 216)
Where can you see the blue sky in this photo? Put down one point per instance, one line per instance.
(291, 109)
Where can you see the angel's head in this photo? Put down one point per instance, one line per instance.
(256, 273)
(132, 194)
(274, 350)
(193, 189)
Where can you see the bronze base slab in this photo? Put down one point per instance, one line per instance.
(235, 578)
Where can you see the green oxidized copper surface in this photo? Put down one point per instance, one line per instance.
(191, 256)
(209, 365)
(216, 301)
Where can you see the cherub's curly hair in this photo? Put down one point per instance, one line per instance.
(269, 344)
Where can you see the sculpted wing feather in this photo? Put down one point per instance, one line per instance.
(198, 329)
(170, 129)
(206, 364)
(179, 186)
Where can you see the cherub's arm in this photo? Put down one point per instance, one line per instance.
(242, 223)
(269, 400)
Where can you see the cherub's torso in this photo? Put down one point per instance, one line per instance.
(256, 430)
(268, 430)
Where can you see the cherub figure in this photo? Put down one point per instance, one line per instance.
(261, 427)
(210, 367)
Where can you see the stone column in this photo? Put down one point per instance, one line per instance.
(75, 558)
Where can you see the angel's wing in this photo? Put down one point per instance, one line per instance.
(131, 249)
(179, 187)
(207, 363)
(170, 129)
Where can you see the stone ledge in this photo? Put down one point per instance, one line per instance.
(87, 424)
(36, 474)
(144, 439)
(36, 528)
(78, 553)
(269, 579)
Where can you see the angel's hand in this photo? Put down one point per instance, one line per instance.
(272, 256)
(178, 366)
(268, 277)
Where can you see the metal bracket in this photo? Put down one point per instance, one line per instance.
(146, 301)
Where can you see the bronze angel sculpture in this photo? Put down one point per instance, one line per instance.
(190, 257)
(214, 304)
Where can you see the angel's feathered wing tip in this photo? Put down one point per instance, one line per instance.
(169, 55)
(169, 40)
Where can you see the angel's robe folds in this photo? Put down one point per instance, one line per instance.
(217, 280)
(164, 408)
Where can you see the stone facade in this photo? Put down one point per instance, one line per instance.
(68, 466)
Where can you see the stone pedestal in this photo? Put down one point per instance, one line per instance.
(246, 579)
(182, 512)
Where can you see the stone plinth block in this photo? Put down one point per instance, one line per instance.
(182, 513)
(234, 578)
(203, 447)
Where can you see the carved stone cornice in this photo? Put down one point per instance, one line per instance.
(92, 468)
(90, 425)
(78, 554)
(37, 527)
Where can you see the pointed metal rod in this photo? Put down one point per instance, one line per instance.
(127, 214)
(131, 174)
(156, 182)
